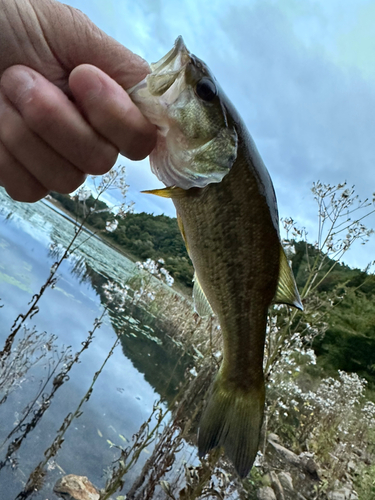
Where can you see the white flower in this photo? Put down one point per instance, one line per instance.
(83, 194)
(111, 225)
(167, 277)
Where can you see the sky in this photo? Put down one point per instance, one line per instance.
(301, 74)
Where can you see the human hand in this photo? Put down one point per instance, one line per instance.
(64, 112)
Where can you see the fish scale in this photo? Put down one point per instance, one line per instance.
(237, 255)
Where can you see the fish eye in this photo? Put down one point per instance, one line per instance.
(206, 89)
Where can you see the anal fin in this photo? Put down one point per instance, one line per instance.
(201, 304)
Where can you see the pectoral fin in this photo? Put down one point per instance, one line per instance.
(287, 292)
(201, 304)
(182, 230)
(168, 192)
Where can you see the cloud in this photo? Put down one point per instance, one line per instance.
(311, 118)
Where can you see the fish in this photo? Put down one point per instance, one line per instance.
(228, 216)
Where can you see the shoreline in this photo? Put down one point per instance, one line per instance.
(58, 207)
(55, 205)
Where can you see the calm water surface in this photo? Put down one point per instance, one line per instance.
(143, 369)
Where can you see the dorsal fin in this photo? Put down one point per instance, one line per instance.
(287, 292)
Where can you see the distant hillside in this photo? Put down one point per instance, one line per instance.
(341, 274)
(142, 235)
(349, 341)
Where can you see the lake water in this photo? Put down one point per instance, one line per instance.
(144, 368)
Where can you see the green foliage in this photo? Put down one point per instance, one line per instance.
(95, 211)
(341, 274)
(365, 482)
(66, 201)
(346, 303)
(253, 482)
(153, 237)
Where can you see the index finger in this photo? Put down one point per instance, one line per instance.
(111, 112)
(49, 114)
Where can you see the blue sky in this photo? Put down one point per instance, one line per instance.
(301, 74)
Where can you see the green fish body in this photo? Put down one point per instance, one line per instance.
(227, 213)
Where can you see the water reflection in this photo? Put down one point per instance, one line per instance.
(37, 477)
(52, 421)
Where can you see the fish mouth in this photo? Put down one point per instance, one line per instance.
(164, 72)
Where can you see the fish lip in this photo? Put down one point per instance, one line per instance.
(178, 57)
(173, 63)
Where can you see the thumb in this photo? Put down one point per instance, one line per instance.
(75, 40)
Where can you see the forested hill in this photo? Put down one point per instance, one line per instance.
(346, 298)
(341, 274)
(141, 235)
(348, 294)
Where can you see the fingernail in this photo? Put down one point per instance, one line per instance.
(17, 83)
(93, 86)
(86, 82)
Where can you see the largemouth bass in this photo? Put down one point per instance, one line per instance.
(227, 213)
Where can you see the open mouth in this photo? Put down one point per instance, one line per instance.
(165, 72)
(174, 60)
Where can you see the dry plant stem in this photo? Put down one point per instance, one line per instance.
(336, 209)
(36, 478)
(275, 352)
(142, 439)
(30, 408)
(158, 464)
(23, 360)
(57, 383)
(331, 211)
(199, 490)
(165, 453)
(168, 444)
(160, 461)
(194, 332)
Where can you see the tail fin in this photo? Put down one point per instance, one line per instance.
(233, 419)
